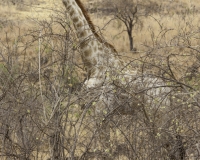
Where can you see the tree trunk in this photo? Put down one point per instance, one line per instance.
(130, 39)
(55, 139)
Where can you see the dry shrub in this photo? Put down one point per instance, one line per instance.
(45, 111)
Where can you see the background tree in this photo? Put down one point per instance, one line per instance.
(130, 13)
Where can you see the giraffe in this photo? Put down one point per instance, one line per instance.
(98, 56)
(100, 60)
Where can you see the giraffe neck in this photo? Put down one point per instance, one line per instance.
(85, 33)
(97, 55)
(80, 19)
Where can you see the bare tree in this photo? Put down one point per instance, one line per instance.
(130, 13)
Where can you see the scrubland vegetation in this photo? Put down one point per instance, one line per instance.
(45, 111)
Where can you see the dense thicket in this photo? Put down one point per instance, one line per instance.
(47, 113)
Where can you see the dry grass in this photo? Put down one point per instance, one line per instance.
(40, 10)
(44, 8)
(175, 24)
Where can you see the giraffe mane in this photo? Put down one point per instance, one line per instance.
(91, 25)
